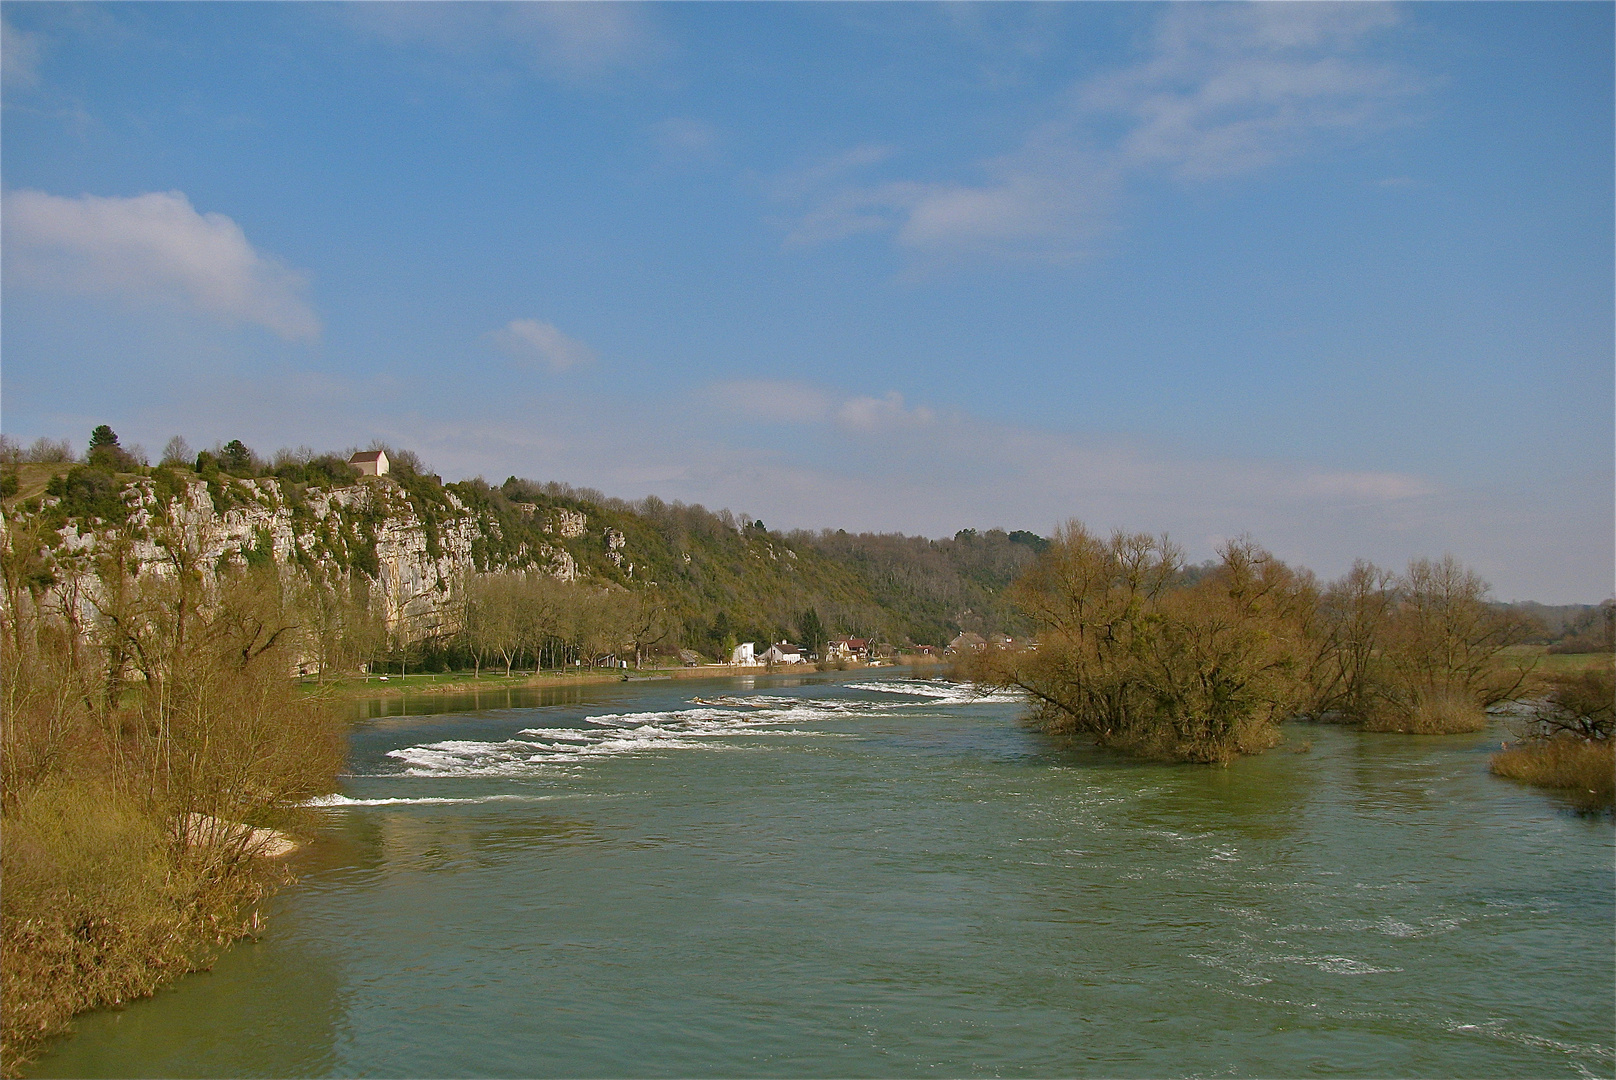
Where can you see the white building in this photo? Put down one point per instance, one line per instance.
(370, 462)
(782, 653)
(745, 655)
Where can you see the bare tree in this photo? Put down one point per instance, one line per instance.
(1440, 660)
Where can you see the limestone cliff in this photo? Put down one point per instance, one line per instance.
(414, 552)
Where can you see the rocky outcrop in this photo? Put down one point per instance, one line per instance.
(416, 564)
(567, 523)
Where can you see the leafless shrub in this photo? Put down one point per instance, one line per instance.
(172, 701)
(45, 451)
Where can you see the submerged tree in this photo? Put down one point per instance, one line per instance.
(1131, 657)
(1417, 652)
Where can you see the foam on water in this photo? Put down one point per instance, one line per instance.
(941, 693)
(329, 802)
(705, 725)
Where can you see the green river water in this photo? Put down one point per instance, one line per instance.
(888, 877)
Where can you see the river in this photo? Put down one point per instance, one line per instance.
(881, 876)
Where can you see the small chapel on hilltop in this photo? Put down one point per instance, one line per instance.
(370, 462)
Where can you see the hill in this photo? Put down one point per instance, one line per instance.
(403, 552)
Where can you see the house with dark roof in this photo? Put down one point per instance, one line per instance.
(847, 648)
(370, 462)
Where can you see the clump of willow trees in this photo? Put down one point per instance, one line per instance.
(1140, 653)
(1567, 738)
(1422, 651)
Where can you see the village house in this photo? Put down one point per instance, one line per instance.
(370, 462)
(847, 648)
(782, 653)
(745, 655)
(966, 642)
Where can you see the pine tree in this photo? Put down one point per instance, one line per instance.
(104, 449)
(812, 631)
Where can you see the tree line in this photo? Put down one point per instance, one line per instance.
(531, 618)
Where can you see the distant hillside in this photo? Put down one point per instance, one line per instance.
(411, 543)
(733, 580)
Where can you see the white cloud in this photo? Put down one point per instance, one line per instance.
(933, 477)
(1367, 485)
(1233, 88)
(787, 402)
(152, 247)
(882, 414)
(683, 136)
(1225, 89)
(19, 55)
(530, 341)
(812, 178)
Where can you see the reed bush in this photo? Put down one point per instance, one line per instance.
(1584, 769)
(1441, 713)
(1568, 738)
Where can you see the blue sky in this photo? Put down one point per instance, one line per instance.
(1337, 276)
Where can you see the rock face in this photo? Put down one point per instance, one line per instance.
(416, 567)
(567, 523)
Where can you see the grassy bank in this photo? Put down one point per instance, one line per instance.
(1545, 665)
(1568, 733)
(450, 682)
(1584, 770)
(102, 905)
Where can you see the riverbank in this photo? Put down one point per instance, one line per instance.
(134, 806)
(1583, 771)
(361, 687)
(104, 904)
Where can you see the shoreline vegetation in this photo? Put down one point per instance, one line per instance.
(1565, 738)
(1138, 652)
(151, 759)
(155, 741)
(365, 687)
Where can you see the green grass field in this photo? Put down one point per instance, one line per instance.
(1547, 663)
